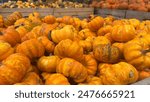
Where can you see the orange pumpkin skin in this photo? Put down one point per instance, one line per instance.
(120, 73)
(72, 69)
(12, 18)
(67, 32)
(30, 78)
(144, 74)
(107, 53)
(13, 69)
(90, 63)
(11, 36)
(66, 20)
(49, 19)
(136, 52)
(68, 48)
(55, 79)
(5, 50)
(108, 36)
(87, 45)
(31, 48)
(48, 45)
(120, 46)
(100, 40)
(104, 30)
(48, 63)
(85, 33)
(92, 80)
(1, 21)
(22, 31)
(96, 23)
(123, 33)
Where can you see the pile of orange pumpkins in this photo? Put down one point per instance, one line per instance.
(69, 51)
(139, 5)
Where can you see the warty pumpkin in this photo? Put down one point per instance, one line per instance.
(67, 32)
(48, 45)
(5, 50)
(96, 23)
(49, 19)
(123, 33)
(48, 63)
(136, 52)
(92, 80)
(120, 73)
(107, 53)
(68, 48)
(11, 36)
(12, 18)
(104, 30)
(30, 78)
(72, 69)
(90, 64)
(100, 40)
(13, 68)
(55, 79)
(31, 48)
(85, 33)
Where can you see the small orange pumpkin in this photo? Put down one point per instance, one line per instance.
(55, 79)
(120, 73)
(96, 23)
(107, 53)
(72, 69)
(5, 50)
(48, 63)
(31, 48)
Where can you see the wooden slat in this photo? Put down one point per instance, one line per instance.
(138, 14)
(113, 12)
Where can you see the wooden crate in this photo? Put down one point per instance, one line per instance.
(25, 11)
(138, 14)
(77, 12)
(106, 12)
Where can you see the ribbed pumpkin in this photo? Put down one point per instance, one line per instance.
(67, 32)
(120, 46)
(123, 33)
(22, 31)
(104, 30)
(144, 74)
(90, 63)
(48, 45)
(72, 69)
(13, 69)
(68, 48)
(107, 53)
(92, 80)
(48, 63)
(87, 45)
(136, 52)
(11, 36)
(85, 33)
(55, 79)
(49, 19)
(96, 23)
(121, 73)
(31, 48)
(66, 20)
(12, 18)
(30, 78)
(5, 50)
(100, 40)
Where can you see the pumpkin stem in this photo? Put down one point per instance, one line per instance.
(145, 51)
